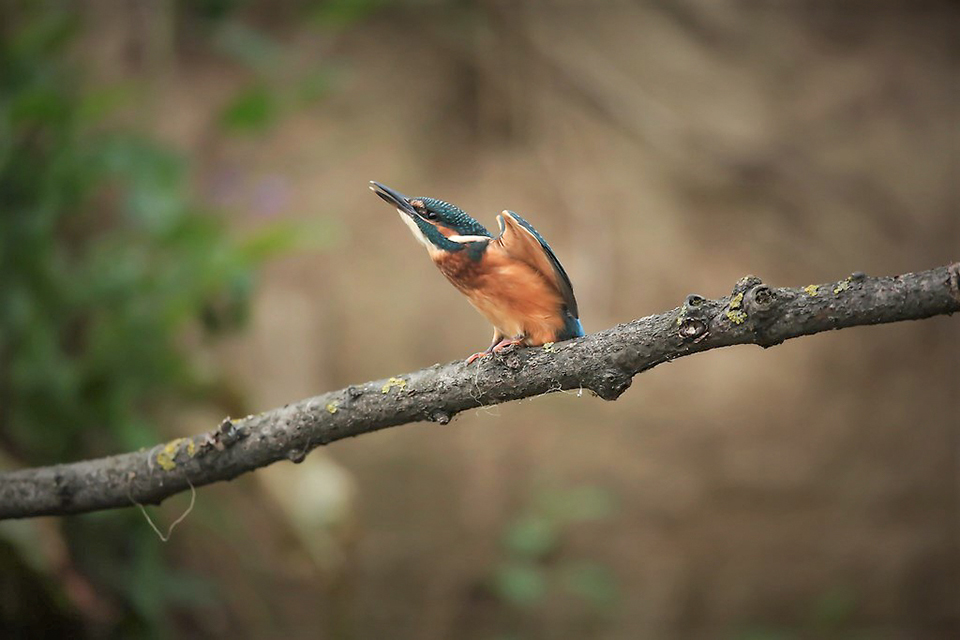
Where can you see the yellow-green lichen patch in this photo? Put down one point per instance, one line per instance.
(191, 448)
(549, 347)
(812, 289)
(736, 316)
(843, 285)
(334, 406)
(399, 383)
(735, 312)
(166, 457)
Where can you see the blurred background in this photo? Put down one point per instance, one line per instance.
(186, 233)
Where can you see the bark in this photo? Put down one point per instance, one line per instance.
(604, 363)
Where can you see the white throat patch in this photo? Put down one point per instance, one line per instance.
(414, 229)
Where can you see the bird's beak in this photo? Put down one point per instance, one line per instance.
(392, 197)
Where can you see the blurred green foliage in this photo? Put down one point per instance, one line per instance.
(830, 615)
(343, 12)
(253, 109)
(534, 568)
(277, 85)
(108, 271)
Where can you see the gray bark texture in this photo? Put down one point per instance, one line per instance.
(604, 363)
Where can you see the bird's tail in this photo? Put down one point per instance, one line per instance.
(571, 329)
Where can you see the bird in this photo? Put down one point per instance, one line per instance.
(513, 279)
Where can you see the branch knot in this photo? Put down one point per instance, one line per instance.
(691, 325)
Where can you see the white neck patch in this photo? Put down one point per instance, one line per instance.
(466, 239)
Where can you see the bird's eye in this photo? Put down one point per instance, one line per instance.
(429, 215)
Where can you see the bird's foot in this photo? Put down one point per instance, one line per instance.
(478, 355)
(495, 348)
(505, 344)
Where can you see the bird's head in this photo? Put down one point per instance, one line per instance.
(438, 225)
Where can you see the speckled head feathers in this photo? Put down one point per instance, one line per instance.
(449, 215)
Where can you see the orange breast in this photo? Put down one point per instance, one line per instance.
(515, 298)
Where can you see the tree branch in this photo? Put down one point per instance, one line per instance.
(603, 362)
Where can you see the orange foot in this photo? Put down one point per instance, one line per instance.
(479, 354)
(505, 343)
(495, 348)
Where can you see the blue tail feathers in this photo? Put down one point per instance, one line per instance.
(571, 329)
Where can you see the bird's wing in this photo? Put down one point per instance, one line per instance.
(521, 241)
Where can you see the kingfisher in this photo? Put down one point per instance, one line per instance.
(514, 279)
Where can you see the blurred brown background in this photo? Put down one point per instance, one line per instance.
(663, 148)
